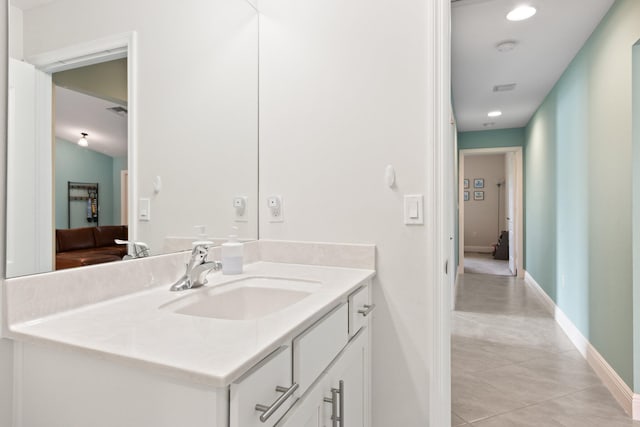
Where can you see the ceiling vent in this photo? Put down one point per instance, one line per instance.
(489, 124)
(121, 111)
(504, 88)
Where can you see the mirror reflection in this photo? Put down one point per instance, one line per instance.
(128, 122)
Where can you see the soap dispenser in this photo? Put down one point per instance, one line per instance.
(232, 252)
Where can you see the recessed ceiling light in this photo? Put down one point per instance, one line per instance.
(521, 13)
(496, 113)
(506, 46)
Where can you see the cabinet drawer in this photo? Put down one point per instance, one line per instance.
(359, 309)
(258, 387)
(316, 347)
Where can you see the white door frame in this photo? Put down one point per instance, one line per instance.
(93, 52)
(439, 199)
(519, 218)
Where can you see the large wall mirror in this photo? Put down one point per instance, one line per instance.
(129, 120)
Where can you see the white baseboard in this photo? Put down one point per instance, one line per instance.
(479, 249)
(629, 401)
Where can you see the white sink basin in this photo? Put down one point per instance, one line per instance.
(243, 299)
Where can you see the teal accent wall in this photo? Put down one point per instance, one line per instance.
(75, 163)
(578, 179)
(491, 138)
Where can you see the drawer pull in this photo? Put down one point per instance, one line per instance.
(269, 410)
(367, 309)
(337, 405)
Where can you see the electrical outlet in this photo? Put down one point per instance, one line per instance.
(240, 208)
(275, 210)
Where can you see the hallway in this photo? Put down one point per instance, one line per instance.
(513, 366)
(485, 264)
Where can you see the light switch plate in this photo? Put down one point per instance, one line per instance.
(144, 210)
(413, 209)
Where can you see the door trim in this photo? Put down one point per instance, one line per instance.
(441, 165)
(101, 50)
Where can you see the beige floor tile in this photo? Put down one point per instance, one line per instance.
(473, 399)
(456, 421)
(513, 366)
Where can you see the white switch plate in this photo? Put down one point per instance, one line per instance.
(240, 208)
(413, 209)
(275, 212)
(144, 210)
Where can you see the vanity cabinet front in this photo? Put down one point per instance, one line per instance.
(340, 396)
(262, 395)
(319, 377)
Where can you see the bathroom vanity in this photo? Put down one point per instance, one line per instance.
(282, 344)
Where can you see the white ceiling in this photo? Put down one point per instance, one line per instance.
(76, 113)
(546, 44)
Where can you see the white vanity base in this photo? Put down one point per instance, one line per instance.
(57, 387)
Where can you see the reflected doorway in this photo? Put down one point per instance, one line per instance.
(90, 144)
(34, 154)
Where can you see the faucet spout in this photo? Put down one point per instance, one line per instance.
(198, 275)
(197, 269)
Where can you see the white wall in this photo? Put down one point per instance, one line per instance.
(344, 91)
(197, 101)
(6, 346)
(15, 27)
(481, 216)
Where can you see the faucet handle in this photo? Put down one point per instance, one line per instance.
(201, 249)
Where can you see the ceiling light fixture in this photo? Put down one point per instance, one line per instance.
(83, 142)
(496, 113)
(521, 13)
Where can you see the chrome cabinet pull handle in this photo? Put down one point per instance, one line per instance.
(341, 388)
(368, 308)
(337, 405)
(267, 411)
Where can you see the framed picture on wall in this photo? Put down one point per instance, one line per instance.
(466, 196)
(466, 182)
(478, 183)
(478, 195)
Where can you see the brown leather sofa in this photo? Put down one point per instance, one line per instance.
(76, 247)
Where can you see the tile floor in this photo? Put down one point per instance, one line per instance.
(513, 366)
(485, 264)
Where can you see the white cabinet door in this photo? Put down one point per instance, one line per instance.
(268, 385)
(307, 412)
(349, 377)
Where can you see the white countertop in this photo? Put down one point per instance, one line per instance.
(210, 351)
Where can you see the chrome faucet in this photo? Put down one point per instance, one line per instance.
(197, 269)
(139, 249)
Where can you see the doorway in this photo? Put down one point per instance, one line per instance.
(490, 238)
(32, 164)
(90, 143)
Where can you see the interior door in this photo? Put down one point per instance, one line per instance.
(510, 200)
(29, 171)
